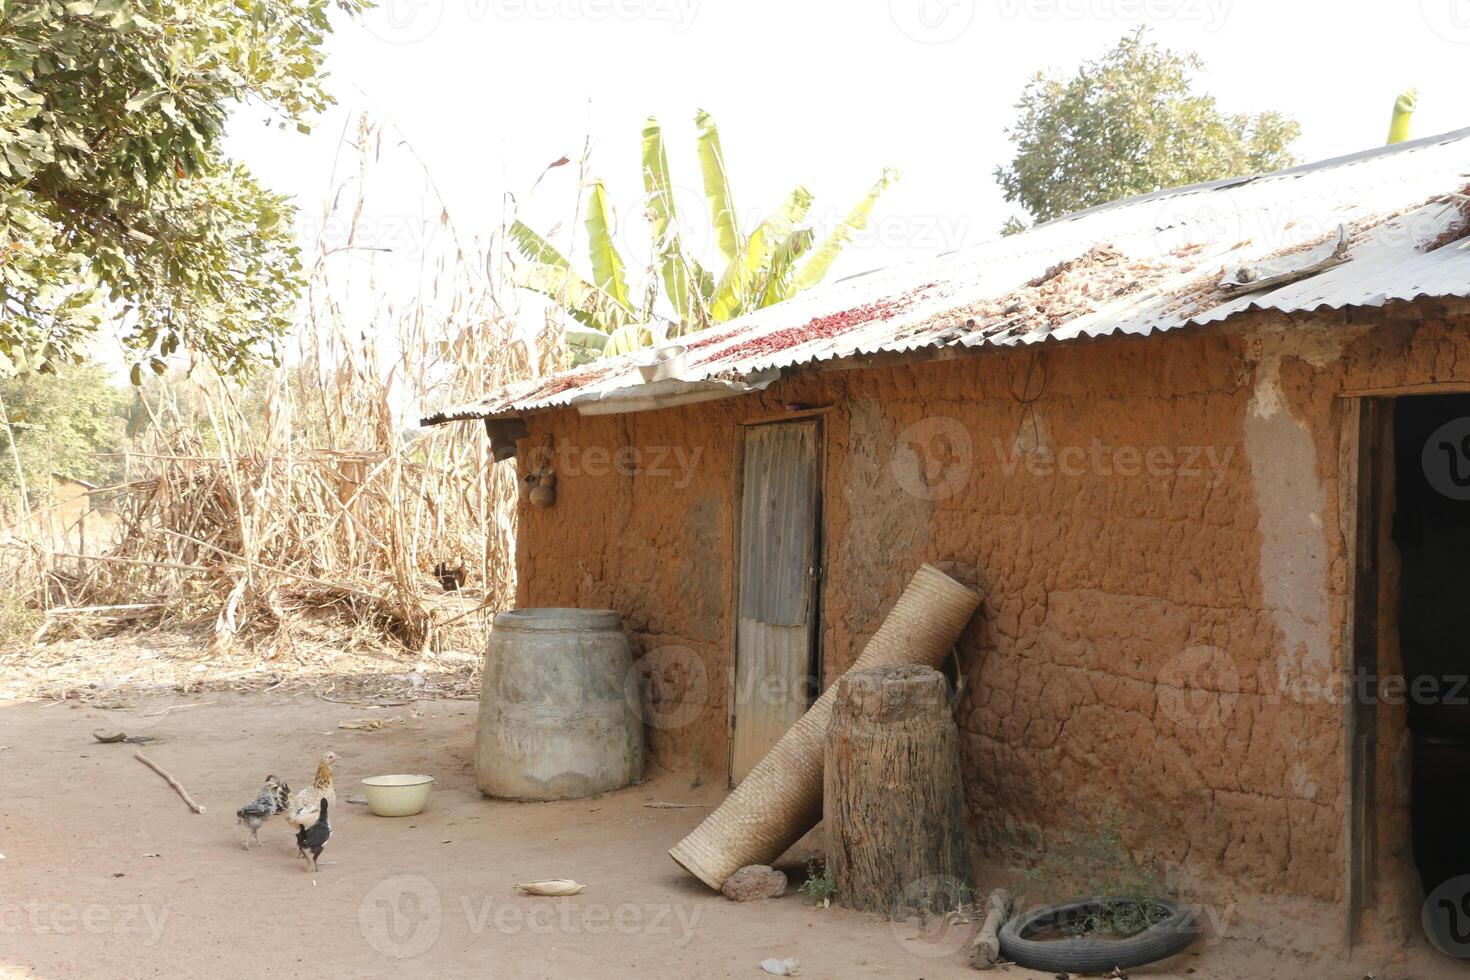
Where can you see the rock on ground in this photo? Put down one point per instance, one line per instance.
(754, 882)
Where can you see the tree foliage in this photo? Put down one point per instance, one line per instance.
(63, 424)
(116, 201)
(1129, 123)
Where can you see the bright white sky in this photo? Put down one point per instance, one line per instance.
(490, 91)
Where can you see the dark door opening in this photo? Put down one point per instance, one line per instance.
(1431, 531)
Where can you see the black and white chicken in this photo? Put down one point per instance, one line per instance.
(270, 801)
(315, 837)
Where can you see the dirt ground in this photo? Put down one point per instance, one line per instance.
(107, 874)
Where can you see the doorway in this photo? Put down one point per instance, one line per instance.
(1431, 534)
(777, 659)
(1408, 714)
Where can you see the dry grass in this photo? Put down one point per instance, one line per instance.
(304, 513)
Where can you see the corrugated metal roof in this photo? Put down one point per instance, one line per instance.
(1140, 266)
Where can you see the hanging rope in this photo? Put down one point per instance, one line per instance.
(1024, 398)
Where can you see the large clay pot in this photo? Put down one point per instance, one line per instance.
(554, 721)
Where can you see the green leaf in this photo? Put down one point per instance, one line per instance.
(143, 100)
(780, 277)
(817, 266)
(607, 265)
(581, 335)
(627, 339)
(582, 300)
(717, 187)
(656, 183)
(1403, 114)
(663, 222)
(736, 291)
(536, 248)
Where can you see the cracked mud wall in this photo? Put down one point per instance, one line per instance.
(1157, 536)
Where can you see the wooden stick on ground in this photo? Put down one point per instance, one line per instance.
(985, 950)
(183, 793)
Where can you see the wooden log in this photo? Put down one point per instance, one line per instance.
(893, 807)
(985, 950)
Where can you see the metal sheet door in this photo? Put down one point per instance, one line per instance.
(776, 661)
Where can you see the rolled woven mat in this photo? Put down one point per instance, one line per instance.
(781, 798)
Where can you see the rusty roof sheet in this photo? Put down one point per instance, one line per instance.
(1139, 266)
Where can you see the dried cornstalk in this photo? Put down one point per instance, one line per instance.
(305, 503)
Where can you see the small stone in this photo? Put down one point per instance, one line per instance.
(754, 882)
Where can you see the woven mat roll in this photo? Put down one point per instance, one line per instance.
(781, 798)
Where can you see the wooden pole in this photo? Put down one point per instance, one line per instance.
(893, 805)
(985, 950)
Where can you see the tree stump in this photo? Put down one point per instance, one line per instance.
(893, 805)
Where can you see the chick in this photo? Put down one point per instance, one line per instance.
(270, 801)
(315, 837)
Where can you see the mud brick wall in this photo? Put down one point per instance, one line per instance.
(1154, 522)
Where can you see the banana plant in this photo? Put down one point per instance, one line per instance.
(771, 264)
(1403, 114)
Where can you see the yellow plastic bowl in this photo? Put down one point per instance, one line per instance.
(397, 796)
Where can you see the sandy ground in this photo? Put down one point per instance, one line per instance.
(107, 874)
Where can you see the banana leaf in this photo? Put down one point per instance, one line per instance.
(778, 285)
(717, 187)
(536, 248)
(1403, 114)
(679, 280)
(586, 303)
(657, 185)
(736, 291)
(607, 264)
(584, 344)
(818, 265)
(704, 280)
(627, 338)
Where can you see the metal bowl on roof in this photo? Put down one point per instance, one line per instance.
(660, 363)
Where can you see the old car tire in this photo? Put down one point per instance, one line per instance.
(1084, 955)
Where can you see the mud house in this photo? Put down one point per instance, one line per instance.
(1207, 454)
